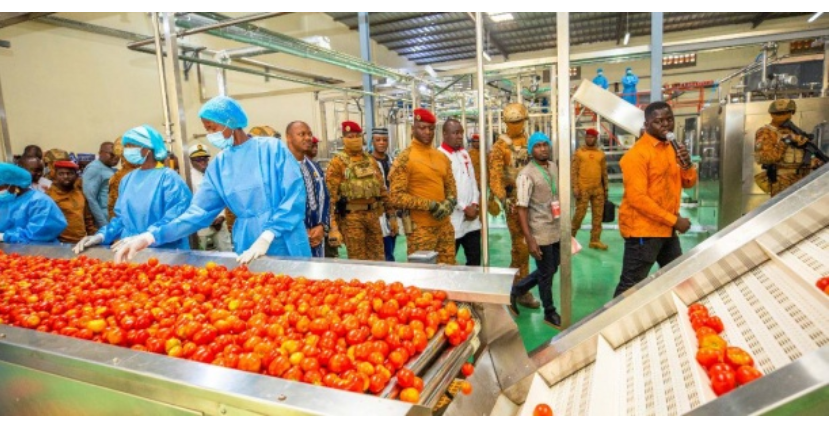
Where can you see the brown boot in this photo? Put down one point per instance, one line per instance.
(598, 245)
(528, 301)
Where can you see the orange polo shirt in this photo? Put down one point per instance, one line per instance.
(653, 183)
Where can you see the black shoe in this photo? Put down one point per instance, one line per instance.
(553, 320)
(513, 305)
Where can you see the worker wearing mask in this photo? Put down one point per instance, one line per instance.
(590, 186)
(150, 196)
(256, 178)
(26, 216)
(780, 151)
(358, 196)
(72, 203)
(600, 80)
(115, 180)
(509, 155)
(629, 82)
(421, 182)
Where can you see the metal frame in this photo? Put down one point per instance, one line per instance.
(8, 153)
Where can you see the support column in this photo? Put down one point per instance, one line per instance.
(656, 56)
(175, 99)
(368, 84)
(479, 57)
(8, 153)
(564, 142)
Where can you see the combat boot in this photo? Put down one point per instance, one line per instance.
(598, 245)
(527, 300)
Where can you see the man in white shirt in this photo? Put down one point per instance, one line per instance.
(465, 216)
(217, 232)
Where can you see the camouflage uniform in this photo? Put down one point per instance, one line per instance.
(770, 148)
(359, 194)
(589, 174)
(509, 155)
(420, 175)
(115, 180)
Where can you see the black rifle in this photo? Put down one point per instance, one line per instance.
(810, 147)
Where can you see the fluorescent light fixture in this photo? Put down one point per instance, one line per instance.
(814, 17)
(431, 71)
(500, 16)
(487, 57)
(627, 38)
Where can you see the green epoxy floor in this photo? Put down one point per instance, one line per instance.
(595, 273)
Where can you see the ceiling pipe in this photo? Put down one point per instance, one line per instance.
(212, 26)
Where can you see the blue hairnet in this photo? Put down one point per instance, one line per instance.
(14, 175)
(225, 111)
(600, 70)
(537, 137)
(146, 137)
(628, 69)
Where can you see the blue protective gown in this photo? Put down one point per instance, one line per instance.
(261, 182)
(148, 199)
(32, 217)
(601, 81)
(629, 83)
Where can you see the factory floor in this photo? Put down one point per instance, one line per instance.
(595, 273)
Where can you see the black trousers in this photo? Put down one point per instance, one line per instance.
(640, 254)
(471, 243)
(545, 268)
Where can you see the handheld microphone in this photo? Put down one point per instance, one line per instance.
(672, 138)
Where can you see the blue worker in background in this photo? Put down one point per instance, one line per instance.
(26, 215)
(257, 178)
(600, 80)
(149, 197)
(629, 82)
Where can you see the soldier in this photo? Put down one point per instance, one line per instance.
(358, 197)
(509, 155)
(475, 154)
(780, 151)
(590, 186)
(421, 182)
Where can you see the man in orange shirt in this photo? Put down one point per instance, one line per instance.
(649, 216)
(421, 181)
(72, 203)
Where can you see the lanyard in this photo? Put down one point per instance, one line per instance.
(546, 174)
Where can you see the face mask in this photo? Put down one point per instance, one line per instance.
(353, 144)
(6, 196)
(133, 156)
(218, 140)
(515, 129)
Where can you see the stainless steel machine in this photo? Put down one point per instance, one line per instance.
(726, 145)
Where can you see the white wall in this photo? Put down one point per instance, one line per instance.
(72, 89)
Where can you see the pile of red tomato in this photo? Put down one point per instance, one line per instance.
(348, 335)
(727, 367)
(823, 284)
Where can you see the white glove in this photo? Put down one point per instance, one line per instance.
(126, 250)
(258, 249)
(88, 241)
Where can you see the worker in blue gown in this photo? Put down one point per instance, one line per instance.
(629, 82)
(600, 80)
(26, 215)
(257, 178)
(149, 197)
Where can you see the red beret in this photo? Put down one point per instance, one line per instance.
(592, 132)
(476, 137)
(314, 140)
(424, 115)
(66, 164)
(351, 127)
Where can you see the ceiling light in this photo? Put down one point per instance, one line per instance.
(627, 38)
(814, 17)
(487, 57)
(500, 16)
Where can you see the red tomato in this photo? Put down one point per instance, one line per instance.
(746, 374)
(708, 357)
(705, 330)
(466, 388)
(542, 410)
(823, 283)
(250, 362)
(405, 378)
(410, 395)
(713, 341)
(714, 323)
(718, 368)
(737, 357)
(723, 381)
(467, 369)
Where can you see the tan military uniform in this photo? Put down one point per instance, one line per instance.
(770, 148)
(589, 174)
(79, 218)
(422, 174)
(508, 157)
(358, 180)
